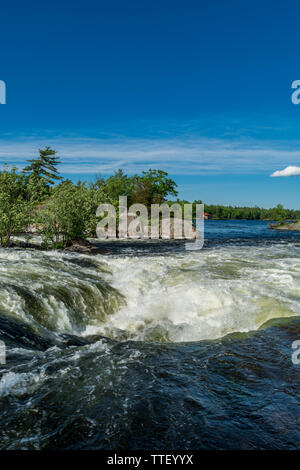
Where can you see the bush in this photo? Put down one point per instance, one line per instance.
(70, 214)
(15, 209)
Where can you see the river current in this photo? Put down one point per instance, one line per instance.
(151, 346)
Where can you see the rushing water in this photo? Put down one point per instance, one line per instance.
(151, 346)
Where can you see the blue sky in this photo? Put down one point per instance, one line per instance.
(199, 89)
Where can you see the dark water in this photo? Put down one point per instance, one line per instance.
(133, 379)
(216, 232)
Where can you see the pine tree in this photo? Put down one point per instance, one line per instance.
(44, 167)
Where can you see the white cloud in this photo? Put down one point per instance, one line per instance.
(187, 155)
(288, 171)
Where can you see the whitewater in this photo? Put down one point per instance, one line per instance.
(152, 345)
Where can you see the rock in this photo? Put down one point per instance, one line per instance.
(84, 247)
(293, 226)
(178, 226)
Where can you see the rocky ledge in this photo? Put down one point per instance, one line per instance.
(292, 226)
(85, 247)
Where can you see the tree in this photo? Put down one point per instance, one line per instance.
(153, 187)
(15, 209)
(70, 213)
(42, 173)
(118, 185)
(279, 213)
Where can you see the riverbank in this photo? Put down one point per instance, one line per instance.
(293, 226)
(215, 230)
(84, 247)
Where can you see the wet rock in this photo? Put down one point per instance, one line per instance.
(84, 247)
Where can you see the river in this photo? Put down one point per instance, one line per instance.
(152, 346)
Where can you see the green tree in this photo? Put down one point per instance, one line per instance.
(118, 185)
(15, 209)
(70, 213)
(153, 187)
(42, 173)
(280, 213)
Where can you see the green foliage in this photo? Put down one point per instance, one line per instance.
(15, 209)
(65, 212)
(117, 185)
(70, 214)
(42, 173)
(280, 214)
(37, 189)
(153, 187)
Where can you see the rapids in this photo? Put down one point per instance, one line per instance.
(153, 346)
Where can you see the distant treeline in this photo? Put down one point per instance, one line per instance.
(220, 212)
(251, 213)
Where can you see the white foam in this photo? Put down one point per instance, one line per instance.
(203, 295)
(174, 297)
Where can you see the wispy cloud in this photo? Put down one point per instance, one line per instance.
(288, 171)
(188, 155)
